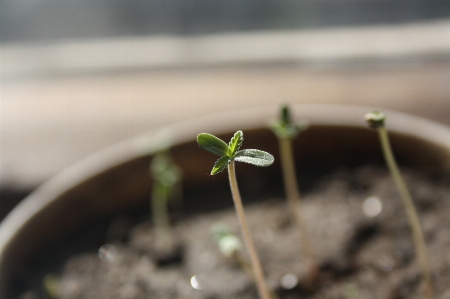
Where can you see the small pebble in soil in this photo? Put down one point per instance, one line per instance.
(372, 206)
(196, 284)
(385, 263)
(107, 253)
(289, 281)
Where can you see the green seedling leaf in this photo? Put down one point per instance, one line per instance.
(220, 164)
(254, 157)
(235, 143)
(164, 170)
(212, 144)
(231, 152)
(229, 244)
(284, 127)
(285, 115)
(219, 230)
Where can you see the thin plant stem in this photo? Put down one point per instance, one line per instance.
(246, 265)
(256, 265)
(161, 221)
(294, 203)
(243, 263)
(413, 218)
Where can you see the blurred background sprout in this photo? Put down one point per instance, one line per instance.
(286, 130)
(166, 187)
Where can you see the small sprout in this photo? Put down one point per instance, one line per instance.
(219, 230)
(229, 244)
(166, 185)
(286, 130)
(376, 120)
(228, 154)
(231, 247)
(231, 152)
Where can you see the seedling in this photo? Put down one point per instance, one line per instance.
(286, 130)
(228, 154)
(166, 178)
(231, 247)
(376, 120)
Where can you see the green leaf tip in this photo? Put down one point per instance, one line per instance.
(284, 127)
(255, 157)
(235, 143)
(375, 119)
(220, 165)
(285, 116)
(212, 144)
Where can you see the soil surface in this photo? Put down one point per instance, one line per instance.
(357, 225)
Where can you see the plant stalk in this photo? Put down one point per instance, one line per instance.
(256, 265)
(294, 203)
(161, 221)
(419, 240)
(247, 267)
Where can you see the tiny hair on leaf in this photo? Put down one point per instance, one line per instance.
(254, 157)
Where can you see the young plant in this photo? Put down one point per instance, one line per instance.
(376, 120)
(286, 130)
(166, 178)
(228, 154)
(230, 246)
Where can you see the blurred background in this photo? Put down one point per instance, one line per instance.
(78, 76)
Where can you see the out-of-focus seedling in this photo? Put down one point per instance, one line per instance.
(376, 120)
(231, 247)
(228, 154)
(286, 130)
(166, 186)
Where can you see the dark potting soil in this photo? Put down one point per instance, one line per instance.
(357, 225)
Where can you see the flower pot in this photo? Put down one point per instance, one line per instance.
(116, 180)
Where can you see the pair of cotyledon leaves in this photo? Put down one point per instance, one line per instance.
(285, 127)
(230, 152)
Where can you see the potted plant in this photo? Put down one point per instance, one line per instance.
(359, 235)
